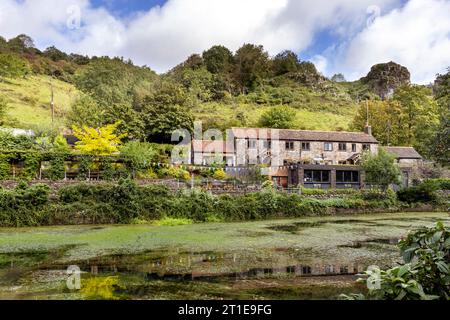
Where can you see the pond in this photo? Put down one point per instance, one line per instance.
(307, 258)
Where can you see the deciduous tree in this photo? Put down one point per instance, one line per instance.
(281, 117)
(98, 142)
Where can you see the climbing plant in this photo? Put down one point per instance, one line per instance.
(84, 166)
(32, 161)
(57, 168)
(106, 165)
(5, 166)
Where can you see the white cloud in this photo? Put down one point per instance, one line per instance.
(321, 63)
(416, 36)
(164, 36)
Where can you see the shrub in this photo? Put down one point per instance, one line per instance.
(220, 175)
(57, 167)
(23, 206)
(441, 184)
(425, 274)
(425, 193)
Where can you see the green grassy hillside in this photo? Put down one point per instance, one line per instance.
(29, 101)
(29, 107)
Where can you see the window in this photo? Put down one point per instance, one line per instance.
(317, 176)
(342, 147)
(267, 144)
(347, 176)
(354, 147)
(306, 146)
(252, 144)
(289, 145)
(366, 147)
(328, 146)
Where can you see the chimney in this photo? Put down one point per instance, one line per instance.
(368, 129)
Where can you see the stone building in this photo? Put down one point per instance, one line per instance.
(293, 158)
(407, 158)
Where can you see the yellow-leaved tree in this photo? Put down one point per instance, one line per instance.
(98, 142)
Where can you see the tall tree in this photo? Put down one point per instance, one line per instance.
(85, 111)
(410, 119)
(285, 62)
(420, 115)
(441, 141)
(218, 59)
(252, 65)
(22, 43)
(165, 110)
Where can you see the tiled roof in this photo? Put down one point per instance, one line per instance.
(403, 152)
(303, 135)
(210, 146)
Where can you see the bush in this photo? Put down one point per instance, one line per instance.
(441, 184)
(220, 175)
(425, 274)
(23, 206)
(423, 193)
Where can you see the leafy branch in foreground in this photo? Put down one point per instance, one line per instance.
(425, 274)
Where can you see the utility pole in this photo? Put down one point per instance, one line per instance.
(52, 103)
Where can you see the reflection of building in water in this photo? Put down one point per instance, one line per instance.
(204, 266)
(201, 266)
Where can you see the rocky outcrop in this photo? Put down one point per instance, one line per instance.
(384, 78)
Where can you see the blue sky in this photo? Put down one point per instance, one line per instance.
(123, 8)
(339, 36)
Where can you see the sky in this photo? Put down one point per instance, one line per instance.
(339, 36)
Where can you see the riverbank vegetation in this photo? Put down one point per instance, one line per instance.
(425, 274)
(126, 202)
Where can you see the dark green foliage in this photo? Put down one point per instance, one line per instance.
(285, 62)
(32, 161)
(381, 169)
(425, 193)
(84, 166)
(251, 66)
(124, 202)
(5, 166)
(440, 148)
(23, 205)
(57, 166)
(218, 59)
(425, 274)
(85, 111)
(54, 54)
(12, 66)
(165, 110)
(9, 142)
(428, 249)
(106, 166)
